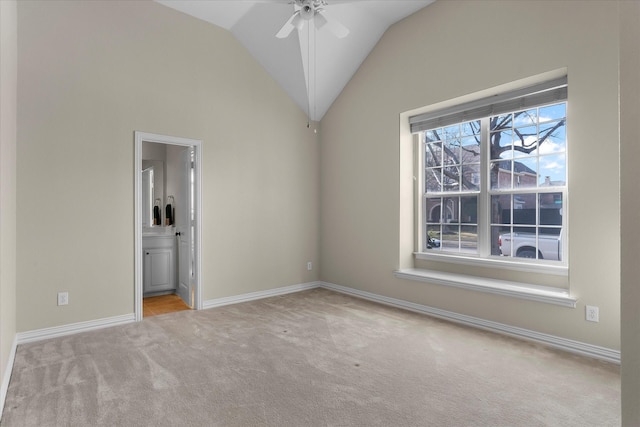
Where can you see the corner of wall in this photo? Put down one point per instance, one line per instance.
(8, 121)
(629, 93)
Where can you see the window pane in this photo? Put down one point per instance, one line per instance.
(470, 128)
(527, 117)
(471, 177)
(524, 209)
(501, 144)
(450, 238)
(501, 174)
(525, 175)
(527, 235)
(550, 209)
(469, 238)
(433, 210)
(432, 241)
(504, 121)
(451, 155)
(433, 154)
(553, 171)
(451, 179)
(498, 238)
(548, 231)
(432, 135)
(470, 149)
(525, 141)
(433, 179)
(469, 209)
(553, 136)
(552, 112)
(451, 132)
(501, 209)
(433, 231)
(450, 209)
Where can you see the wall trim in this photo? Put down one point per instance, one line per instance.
(576, 347)
(568, 345)
(571, 346)
(139, 138)
(525, 291)
(7, 375)
(73, 328)
(219, 302)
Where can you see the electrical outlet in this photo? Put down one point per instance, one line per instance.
(63, 298)
(309, 266)
(592, 313)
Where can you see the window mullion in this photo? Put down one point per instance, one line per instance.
(418, 182)
(484, 202)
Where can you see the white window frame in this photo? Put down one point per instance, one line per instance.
(484, 257)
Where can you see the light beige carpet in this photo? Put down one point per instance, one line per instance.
(314, 358)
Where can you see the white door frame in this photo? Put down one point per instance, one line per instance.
(170, 140)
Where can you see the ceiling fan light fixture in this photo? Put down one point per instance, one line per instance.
(307, 10)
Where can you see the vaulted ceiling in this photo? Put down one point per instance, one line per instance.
(312, 65)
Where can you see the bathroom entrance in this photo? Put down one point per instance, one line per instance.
(167, 232)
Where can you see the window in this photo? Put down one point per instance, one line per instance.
(493, 177)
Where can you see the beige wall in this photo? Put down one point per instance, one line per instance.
(8, 79)
(630, 208)
(453, 49)
(92, 73)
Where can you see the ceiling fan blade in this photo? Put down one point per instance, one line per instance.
(288, 27)
(320, 21)
(324, 20)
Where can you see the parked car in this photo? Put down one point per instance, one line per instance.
(432, 243)
(523, 245)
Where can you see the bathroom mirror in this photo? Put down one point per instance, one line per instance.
(154, 169)
(147, 197)
(154, 157)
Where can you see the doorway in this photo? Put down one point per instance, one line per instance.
(168, 244)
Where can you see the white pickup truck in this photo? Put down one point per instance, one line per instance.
(523, 245)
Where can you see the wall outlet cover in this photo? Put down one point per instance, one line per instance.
(63, 298)
(592, 313)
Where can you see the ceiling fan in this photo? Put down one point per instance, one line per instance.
(307, 10)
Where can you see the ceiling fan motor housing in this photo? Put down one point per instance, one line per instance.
(307, 9)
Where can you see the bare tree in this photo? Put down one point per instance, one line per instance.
(525, 142)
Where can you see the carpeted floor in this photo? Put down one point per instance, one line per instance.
(314, 358)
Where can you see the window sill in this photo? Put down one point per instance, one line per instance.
(505, 263)
(525, 291)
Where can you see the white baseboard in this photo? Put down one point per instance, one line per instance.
(572, 346)
(550, 340)
(73, 328)
(577, 347)
(219, 302)
(7, 375)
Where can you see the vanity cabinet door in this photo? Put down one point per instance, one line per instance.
(158, 270)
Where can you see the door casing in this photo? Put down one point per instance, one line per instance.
(139, 138)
